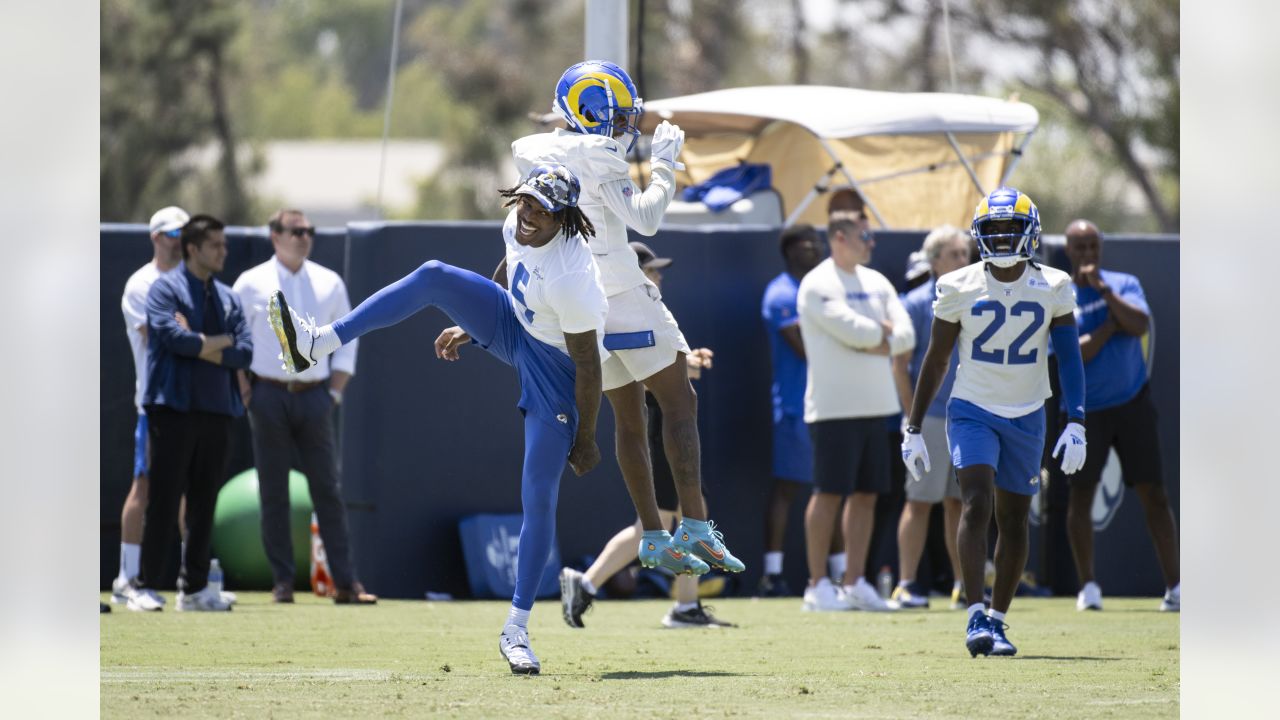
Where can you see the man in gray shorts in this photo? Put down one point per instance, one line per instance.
(947, 248)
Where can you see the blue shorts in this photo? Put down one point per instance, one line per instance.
(1014, 447)
(792, 449)
(140, 463)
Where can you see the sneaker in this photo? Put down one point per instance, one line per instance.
(864, 597)
(1090, 597)
(1000, 644)
(229, 597)
(1172, 601)
(904, 599)
(826, 596)
(142, 599)
(574, 599)
(664, 553)
(977, 636)
(103, 607)
(119, 588)
(207, 600)
(709, 547)
(295, 333)
(957, 603)
(773, 586)
(514, 646)
(696, 617)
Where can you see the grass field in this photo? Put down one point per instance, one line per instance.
(419, 659)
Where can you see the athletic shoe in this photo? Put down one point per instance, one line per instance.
(295, 333)
(978, 637)
(664, 553)
(574, 599)
(119, 588)
(826, 596)
(1090, 597)
(903, 599)
(709, 547)
(1000, 644)
(957, 603)
(697, 617)
(229, 597)
(142, 599)
(1172, 601)
(773, 586)
(864, 597)
(103, 607)
(207, 600)
(514, 646)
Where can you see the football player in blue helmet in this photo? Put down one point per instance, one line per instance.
(1002, 313)
(598, 98)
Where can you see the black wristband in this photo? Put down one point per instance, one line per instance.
(913, 429)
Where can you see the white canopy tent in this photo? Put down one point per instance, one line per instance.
(918, 159)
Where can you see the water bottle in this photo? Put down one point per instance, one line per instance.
(884, 582)
(215, 576)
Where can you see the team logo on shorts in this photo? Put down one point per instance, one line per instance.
(563, 418)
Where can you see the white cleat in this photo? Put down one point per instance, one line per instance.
(295, 333)
(120, 590)
(207, 600)
(1172, 601)
(228, 597)
(824, 597)
(514, 646)
(864, 597)
(1089, 597)
(143, 599)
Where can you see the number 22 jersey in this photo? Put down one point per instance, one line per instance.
(1004, 334)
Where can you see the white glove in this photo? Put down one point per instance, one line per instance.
(1072, 446)
(668, 139)
(913, 450)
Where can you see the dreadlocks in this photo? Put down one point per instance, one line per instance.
(572, 220)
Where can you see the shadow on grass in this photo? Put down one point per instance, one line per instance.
(660, 674)
(1067, 657)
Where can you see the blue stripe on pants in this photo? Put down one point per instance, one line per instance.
(546, 451)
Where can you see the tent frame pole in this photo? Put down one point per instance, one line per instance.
(951, 138)
(1017, 155)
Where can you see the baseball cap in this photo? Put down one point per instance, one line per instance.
(552, 185)
(170, 218)
(917, 265)
(648, 258)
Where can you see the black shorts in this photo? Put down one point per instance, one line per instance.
(850, 455)
(1131, 429)
(664, 483)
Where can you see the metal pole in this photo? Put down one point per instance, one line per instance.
(606, 31)
(391, 92)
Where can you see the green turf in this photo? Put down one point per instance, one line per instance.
(418, 659)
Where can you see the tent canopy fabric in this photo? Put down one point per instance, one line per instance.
(919, 159)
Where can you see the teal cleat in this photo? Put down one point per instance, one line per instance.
(664, 553)
(708, 546)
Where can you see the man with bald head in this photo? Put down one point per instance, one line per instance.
(1112, 316)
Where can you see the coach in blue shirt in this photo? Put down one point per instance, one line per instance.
(1112, 317)
(196, 340)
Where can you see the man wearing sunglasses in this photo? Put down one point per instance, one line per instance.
(292, 415)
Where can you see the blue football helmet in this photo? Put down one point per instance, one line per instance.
(552, 185)
(598, 97)
(1006, 203)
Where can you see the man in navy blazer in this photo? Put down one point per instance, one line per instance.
(196, 340)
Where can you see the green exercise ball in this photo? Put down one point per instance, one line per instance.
(237, 532)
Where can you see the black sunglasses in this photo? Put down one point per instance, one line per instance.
(300, 231)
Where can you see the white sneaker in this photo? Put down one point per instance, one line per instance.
(228, 597)
(824, 597)
(514, 646)
(1172, 601)
(295, 333)
(142, 599)
(207, 600)
(864, 597)
(119, 590)
(1089, 597)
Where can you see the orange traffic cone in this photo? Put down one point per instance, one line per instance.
(321, 580)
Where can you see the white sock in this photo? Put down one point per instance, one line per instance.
(130, 559)
(905, 582)
(978, 608)
(996, 615)
(957, 585)
(837, 562)
(518, 617)
(326, 342)
(772, 563)
(686, 607)
(588, 586)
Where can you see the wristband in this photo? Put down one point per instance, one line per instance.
(336, 395)
(913, 429)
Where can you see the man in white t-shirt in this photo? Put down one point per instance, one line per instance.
(544, 315)
(166, 233)
(600, 106)
(852, 323)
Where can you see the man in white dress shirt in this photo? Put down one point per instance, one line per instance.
(295, 412)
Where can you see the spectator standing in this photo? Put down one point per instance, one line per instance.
(1112, 316)
(852, 322)
(196, 339)
(292, 415)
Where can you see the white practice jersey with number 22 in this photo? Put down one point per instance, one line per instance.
(554, 289)
(1004, 334)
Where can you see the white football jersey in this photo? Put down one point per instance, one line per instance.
(1004, 334)
(609, 198)
(554, 289)
(134, 305)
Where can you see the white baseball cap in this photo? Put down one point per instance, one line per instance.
(170, 218)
